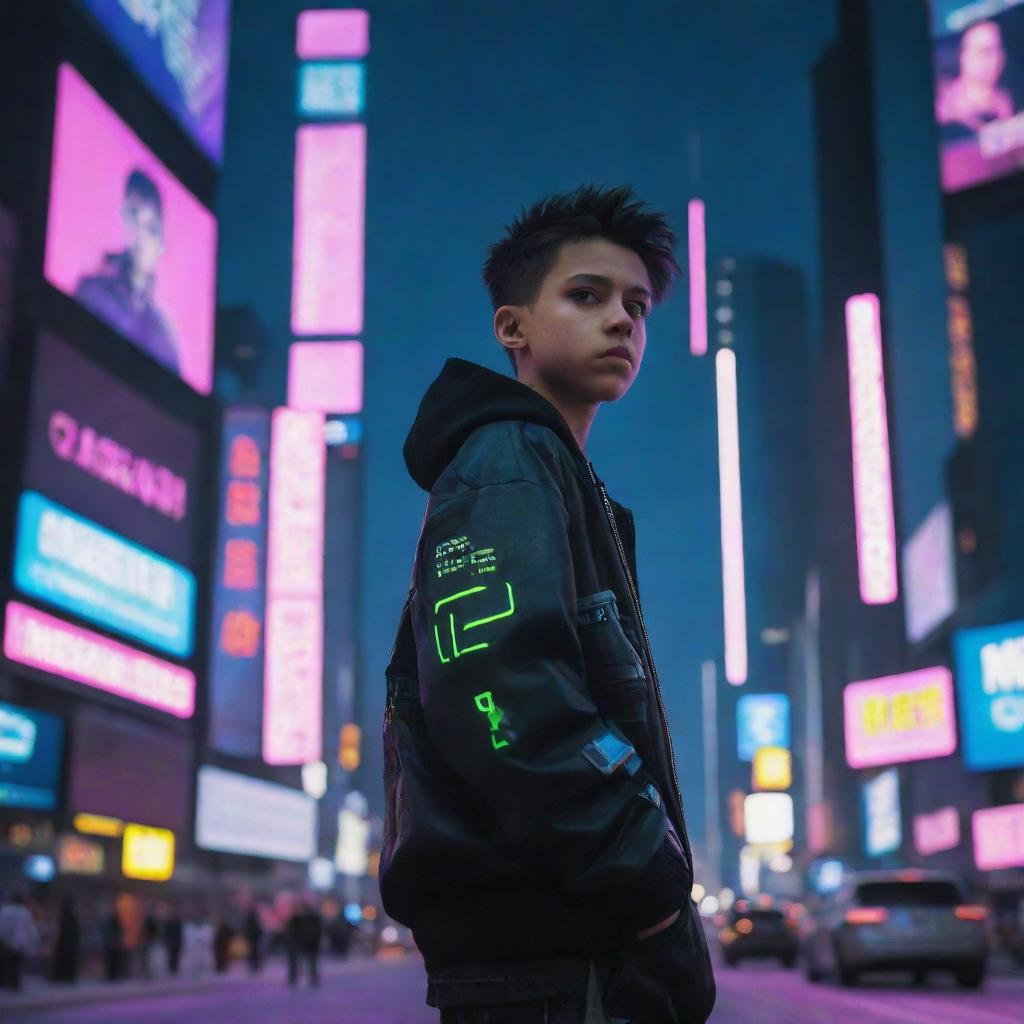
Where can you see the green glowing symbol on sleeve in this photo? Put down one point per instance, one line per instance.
(486, 706)
(453, 630)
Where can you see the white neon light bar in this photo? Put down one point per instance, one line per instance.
(872, 473)
(734, 597)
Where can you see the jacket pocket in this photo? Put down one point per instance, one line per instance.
(615, 672)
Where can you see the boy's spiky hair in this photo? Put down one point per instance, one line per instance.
(517, 265)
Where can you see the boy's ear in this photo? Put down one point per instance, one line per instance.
(508, 327)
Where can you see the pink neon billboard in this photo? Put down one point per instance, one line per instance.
(328, 250)
(698, 278)
(907, 717)
(999, 837)
(324, 34)
(52, 645)
(872, 475)
(937, 831)
(731, 504)
(126, 239)
(326, 376)
(293, 670)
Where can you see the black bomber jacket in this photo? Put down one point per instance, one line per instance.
(532, 808)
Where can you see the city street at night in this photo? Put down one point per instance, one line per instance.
(532, 488)
(391, 992)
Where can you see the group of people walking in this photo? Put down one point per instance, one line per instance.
(164, 943)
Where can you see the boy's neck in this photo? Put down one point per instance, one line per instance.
(579, 416)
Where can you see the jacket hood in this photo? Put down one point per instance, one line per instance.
(463, 397)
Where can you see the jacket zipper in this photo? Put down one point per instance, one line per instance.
(650, 656)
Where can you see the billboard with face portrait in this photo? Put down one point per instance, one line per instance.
(126, 239)
(979, 89)
(180, 49)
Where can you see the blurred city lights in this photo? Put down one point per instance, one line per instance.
(708, 906)
(314, 779)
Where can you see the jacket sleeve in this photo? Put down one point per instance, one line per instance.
(502, 683)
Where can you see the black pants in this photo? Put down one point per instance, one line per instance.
(311, 957)
(10, 968)
(556, 1010)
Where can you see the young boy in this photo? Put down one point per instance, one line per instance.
(534, 838)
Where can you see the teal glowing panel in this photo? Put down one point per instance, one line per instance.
(332, 89)
(80, 567)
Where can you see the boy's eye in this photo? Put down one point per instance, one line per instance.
(638, 310)
(582, 294)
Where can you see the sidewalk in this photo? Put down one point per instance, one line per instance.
(39, 994)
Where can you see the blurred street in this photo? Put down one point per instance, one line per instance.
(391, 992)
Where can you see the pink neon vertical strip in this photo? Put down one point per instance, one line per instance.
(735, 602)
(326, 376)
(872, 475)
(293, 677)
(329, 239)
(698, 278)
(333, 34)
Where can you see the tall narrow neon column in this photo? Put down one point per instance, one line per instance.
(293, 674)
(731, 500)
(698, 278)
(872, 473)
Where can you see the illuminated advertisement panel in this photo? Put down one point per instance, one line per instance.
(990, 688)
(101, 449)
(929, 574)
(978, 49)
(239, 814)
(180, 49)
(326, 376)
(963, 368)
(330, 200)
(698, 277)
(239, 593)
(126, 239)
(333, 33)
(147, 853)
(293, 673)
(52, 645)
(762, 720)
(31, 746)
(872, 476)
(937, 831)
(75, 565)
(908, 717)
(883, 827)
(999, 837)
(768, 817)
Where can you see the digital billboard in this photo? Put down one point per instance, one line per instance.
(762, 720)
(240, 814)
(937, 831)
(999, 837)
(929, 574)
(990, 688)
(979, 89)
(76, 565)
(130, 770)
(180, 49)
(239, 591)
(51, 645)
(293, 672)
(8, 256)
(98, 447)
(907, 717)
(31, 754)
(126, 239)
(883, 825)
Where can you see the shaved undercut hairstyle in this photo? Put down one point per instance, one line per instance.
(517, 264)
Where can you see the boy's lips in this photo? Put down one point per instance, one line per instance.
(621, 351)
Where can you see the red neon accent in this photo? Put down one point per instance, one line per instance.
(971, 912)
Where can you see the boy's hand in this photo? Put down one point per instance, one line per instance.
(660, 927)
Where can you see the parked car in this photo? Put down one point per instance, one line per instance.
(757, 932)
(910, 920)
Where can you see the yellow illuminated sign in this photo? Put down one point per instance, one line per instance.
(773, 768)
(348, 746)
(904, 711)
(148, 853)
(98, 825)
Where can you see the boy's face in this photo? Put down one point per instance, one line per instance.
(144, 231)
(594, 300)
